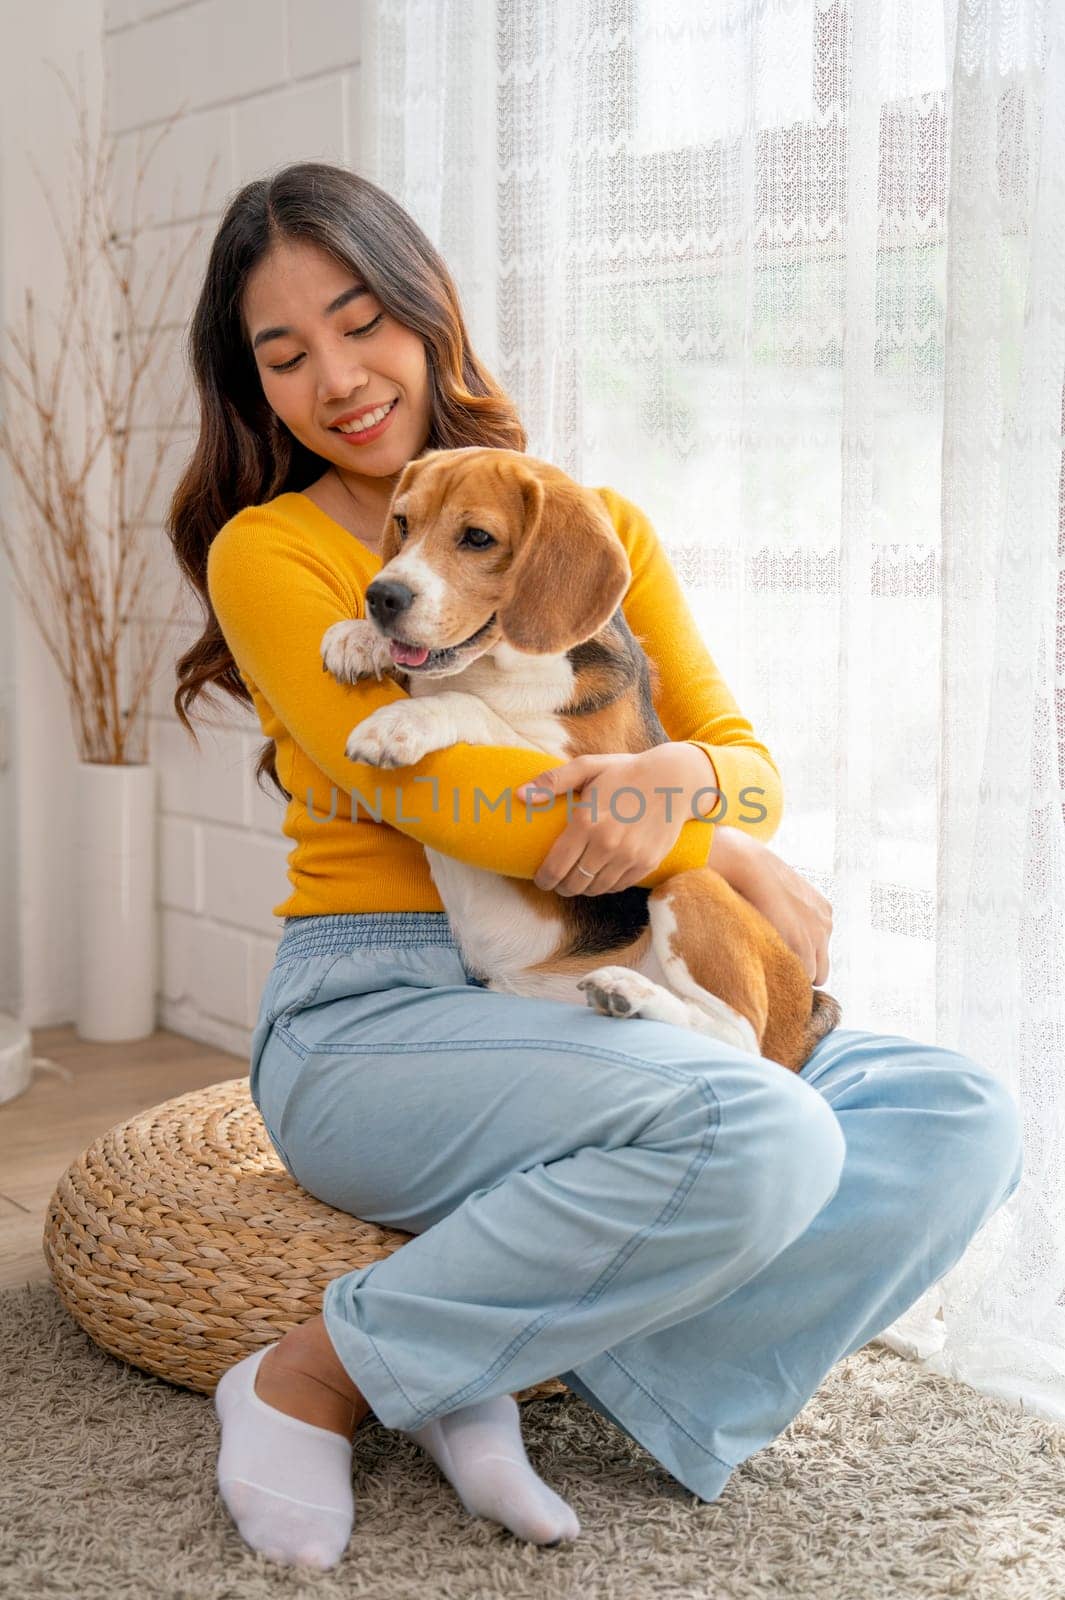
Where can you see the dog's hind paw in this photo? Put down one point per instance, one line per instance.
(617, 991)
(622, 992)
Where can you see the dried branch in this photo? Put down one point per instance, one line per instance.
(74, 376)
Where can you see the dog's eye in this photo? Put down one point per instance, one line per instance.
(401, 524)
(477, 538)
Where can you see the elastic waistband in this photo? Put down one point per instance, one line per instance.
(345, 930)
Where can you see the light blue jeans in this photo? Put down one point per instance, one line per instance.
(688, 1236)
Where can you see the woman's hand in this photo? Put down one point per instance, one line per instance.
(801, 915)
(617, 851)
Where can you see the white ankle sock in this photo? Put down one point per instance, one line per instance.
(286, 1483)
(479, 1449)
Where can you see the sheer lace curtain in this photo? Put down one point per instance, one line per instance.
(789, 275)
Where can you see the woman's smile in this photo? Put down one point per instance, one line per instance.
(358, 433)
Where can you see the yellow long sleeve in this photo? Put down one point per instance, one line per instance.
(695, 705)
(278, 576)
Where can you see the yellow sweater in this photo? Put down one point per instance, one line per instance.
(280, 574)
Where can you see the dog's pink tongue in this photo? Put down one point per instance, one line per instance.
(408, 655)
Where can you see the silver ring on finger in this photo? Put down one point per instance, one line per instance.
(587, 874)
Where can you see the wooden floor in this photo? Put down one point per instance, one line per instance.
(44, 1129)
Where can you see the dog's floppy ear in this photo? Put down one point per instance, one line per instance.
(569, 572)
(390, 545)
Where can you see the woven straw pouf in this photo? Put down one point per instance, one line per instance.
(180, 1243)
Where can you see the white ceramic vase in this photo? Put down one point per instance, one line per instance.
(116, 901)
(16, 1058)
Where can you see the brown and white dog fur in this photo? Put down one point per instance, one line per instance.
(513, 575)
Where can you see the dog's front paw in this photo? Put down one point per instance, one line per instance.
(392, 736)
(353, 650)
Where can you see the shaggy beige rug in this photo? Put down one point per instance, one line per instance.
(890, 1484)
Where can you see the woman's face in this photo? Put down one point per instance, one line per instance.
(325, 348)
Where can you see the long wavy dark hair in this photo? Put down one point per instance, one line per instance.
(244, 455)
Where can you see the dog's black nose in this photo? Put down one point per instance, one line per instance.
(387, 599)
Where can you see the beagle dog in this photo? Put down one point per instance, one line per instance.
(498, 609)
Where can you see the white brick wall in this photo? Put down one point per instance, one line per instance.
(258, 83)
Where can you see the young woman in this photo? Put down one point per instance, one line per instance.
(690, 1237)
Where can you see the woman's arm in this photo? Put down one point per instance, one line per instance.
(274, 596)
(800, 914)
(694, 703)
(698, 709)
(711, 743)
